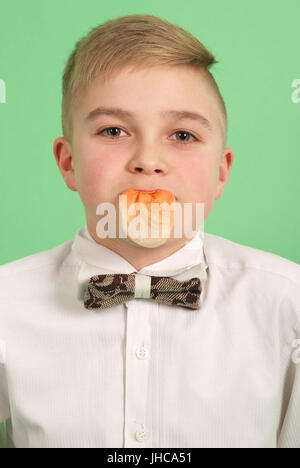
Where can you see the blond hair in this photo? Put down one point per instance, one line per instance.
(137, 40)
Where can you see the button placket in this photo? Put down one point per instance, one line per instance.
(137, 373)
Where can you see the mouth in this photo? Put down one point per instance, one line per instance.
(146, 190)
(150, 190)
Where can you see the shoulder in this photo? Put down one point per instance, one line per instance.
(228, 255)
(45, 260)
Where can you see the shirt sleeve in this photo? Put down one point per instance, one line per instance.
(289, 434)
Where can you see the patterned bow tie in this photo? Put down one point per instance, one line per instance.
(104, 291)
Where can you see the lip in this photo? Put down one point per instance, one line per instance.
(146, 190)
(143, 189)
(150, 190)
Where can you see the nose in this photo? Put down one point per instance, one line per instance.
(147, 164)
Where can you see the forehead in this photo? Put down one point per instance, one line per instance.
(165, 80)
(160, 92)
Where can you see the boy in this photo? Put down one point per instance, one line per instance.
(90, 358)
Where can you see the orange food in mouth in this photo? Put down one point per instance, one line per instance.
(153, 196)
(152, 220)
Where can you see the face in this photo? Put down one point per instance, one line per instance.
(146, 150)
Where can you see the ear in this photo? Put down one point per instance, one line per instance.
(63, 154)
(224, 170)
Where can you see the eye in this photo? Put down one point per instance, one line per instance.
(115, 134)
(184, 133)
(109, 128)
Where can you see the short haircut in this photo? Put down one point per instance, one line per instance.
(136, 40)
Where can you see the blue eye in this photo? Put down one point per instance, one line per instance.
(182, 132)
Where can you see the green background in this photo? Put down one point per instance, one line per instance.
(258, 47)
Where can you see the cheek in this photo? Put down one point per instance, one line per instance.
(92, 165)
(198, 181)
(94, 181)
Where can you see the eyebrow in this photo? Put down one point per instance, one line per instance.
(126, 115)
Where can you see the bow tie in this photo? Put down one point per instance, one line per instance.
(104, 291)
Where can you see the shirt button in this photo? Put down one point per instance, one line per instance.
(142, 352)
(141, 435)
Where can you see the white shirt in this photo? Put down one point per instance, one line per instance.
(144, 374)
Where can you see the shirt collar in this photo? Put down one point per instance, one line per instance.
(97, 259)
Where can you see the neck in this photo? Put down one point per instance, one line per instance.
(138, 256)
